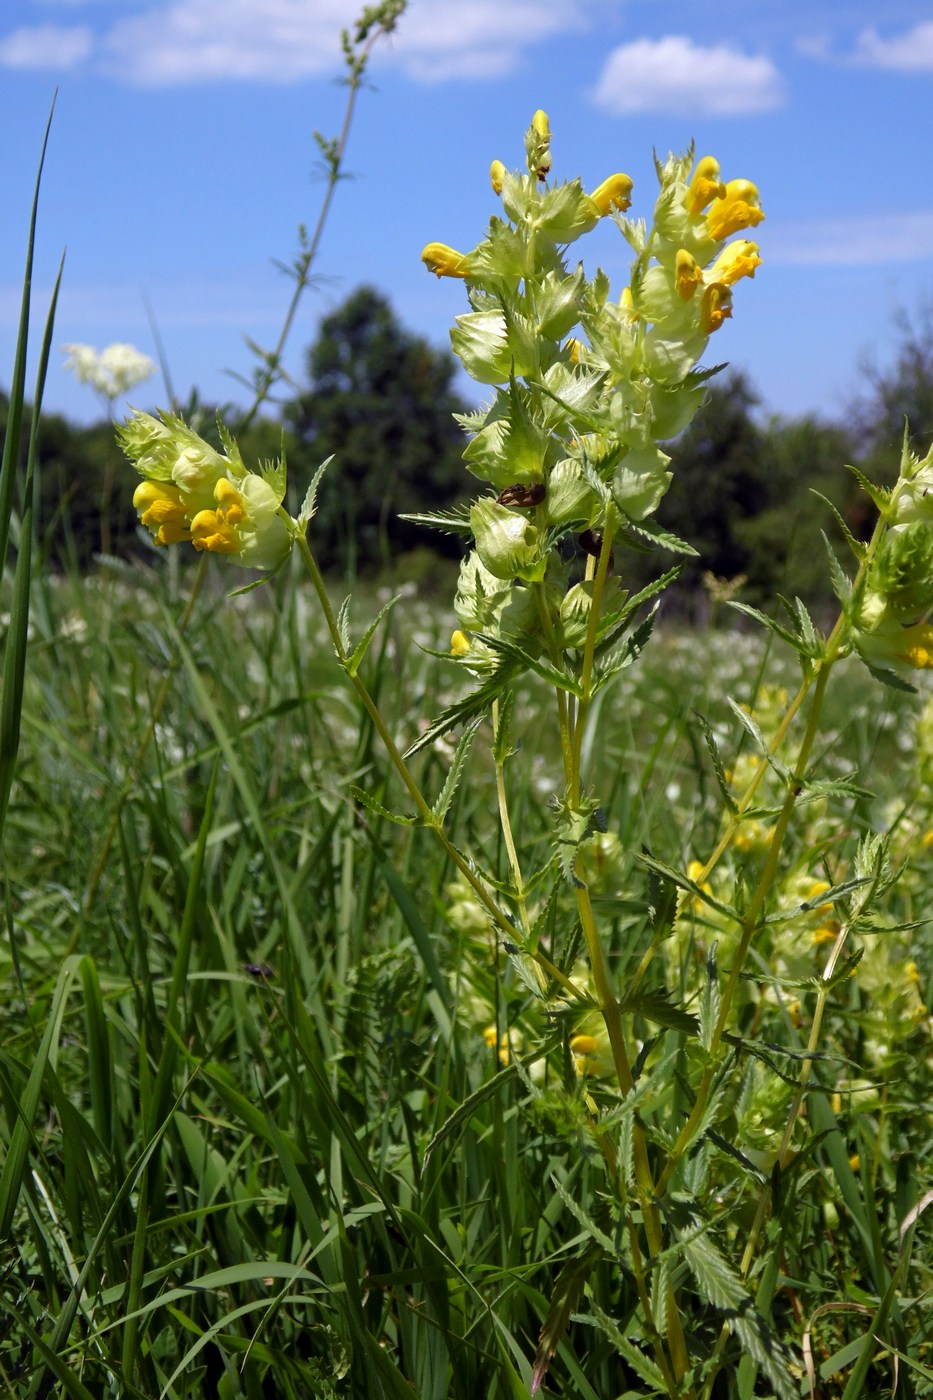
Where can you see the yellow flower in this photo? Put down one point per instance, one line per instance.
(688, 275)
(161, 510)
(738, 259)
(715, 307)
(919, 649)
(497, 175)
(193, 493)
(459, 643)
(506, 1043)
(705, 185)
(736, 209)
(446, 262)
(613, 193)
(592, 1054)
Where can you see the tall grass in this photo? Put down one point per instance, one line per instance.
(269, 1149)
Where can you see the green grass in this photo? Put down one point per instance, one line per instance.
(319, 1179)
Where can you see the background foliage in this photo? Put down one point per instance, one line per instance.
(384, 397)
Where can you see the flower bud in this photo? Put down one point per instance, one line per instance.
(688, 275)
(444, 261)
(497, 173)
(705, 185)
(715, 307)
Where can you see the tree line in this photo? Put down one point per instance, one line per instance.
(381, 400)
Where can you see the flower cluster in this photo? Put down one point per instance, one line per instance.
(586, 387)
(111, 372)
(190, 492)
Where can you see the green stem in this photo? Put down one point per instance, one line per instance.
(302, 268)
(424, 809)
(506, 824)
(750, 921)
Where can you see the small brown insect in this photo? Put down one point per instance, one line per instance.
(521, 495)
(591, 541)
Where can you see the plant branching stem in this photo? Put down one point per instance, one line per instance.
(425, 812)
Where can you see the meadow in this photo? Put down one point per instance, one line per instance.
(486, 991)
(271, 1149)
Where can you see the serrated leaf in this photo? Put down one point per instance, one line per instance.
(603, 1242)
(275, 475)
(229, 443)
(844, 971)
(709, 1000)
(649, 530)
(253, 584)
(751, 725)
(858, 547)
(452, 522)
(719, 1284)
(509, 647)
(879, 494)
(888, 677)
(624, 653)
(343, 623)
(477, 702)
(718, 769)
(830, 896)
(656, 1006)
(644, 1368)
(465, 1110)
(566, 1292)
(845, 786)
(774, 626)
(452, 781)
(685, 883)
(732, 1151)
(353, 662)
(841, 583)
(610, 624)
(503, 745)
(309, 504)
(369, 802)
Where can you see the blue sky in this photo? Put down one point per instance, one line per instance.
(181, 163)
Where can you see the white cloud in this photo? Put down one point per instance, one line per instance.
(674, 74)
(282, 41)
(46, 46)
(193, 41)
(854, 242)
(478, 38)
(911, 52)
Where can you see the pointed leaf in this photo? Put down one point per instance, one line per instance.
(452, 780)
(352, 663)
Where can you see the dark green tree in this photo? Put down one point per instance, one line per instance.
(743, 496)
(718, 481)
(380, 400)
(899, 396)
